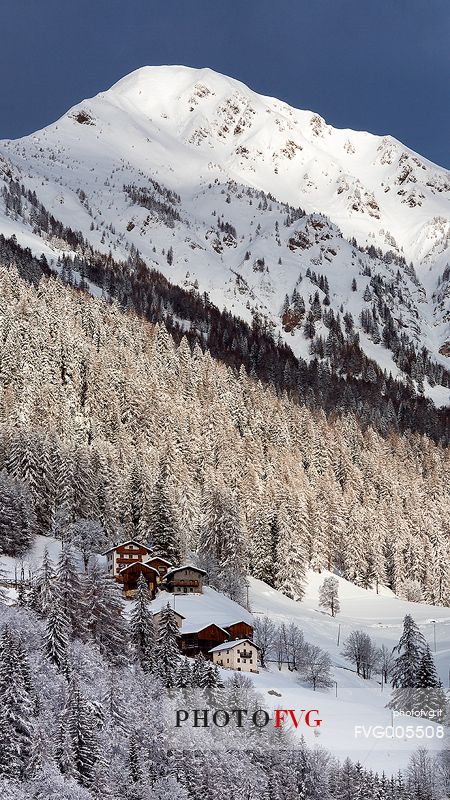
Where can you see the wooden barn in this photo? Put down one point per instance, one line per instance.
(202, 640)
(240, 630)
(129, 577)
(160, 564)
(184, 580)
(120, 555)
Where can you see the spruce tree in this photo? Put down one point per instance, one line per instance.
(430, 694)
(78, 751)
(184, 675)
(166, 659)
(142, 629)
(71, 593)
(105, 619)
(11, 766)
(17, 709)
(291, 557)
(262, 566)
(164, 533)
(199, 672)
(221, 547)
(57, 633)
(134, 761)
(410, 650)
(43, 586)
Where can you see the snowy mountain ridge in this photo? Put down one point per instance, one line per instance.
(209, 181)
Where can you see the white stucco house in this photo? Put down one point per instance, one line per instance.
(238, 654)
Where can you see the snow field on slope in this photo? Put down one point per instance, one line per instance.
(351, 701)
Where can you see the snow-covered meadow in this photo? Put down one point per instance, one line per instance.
(352, 707)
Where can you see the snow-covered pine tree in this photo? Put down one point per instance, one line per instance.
(430, 694)
(183, 678)
(71, 593)
(57, 633)
(233, 559)
(261, 555)
(166, 654)
(135, 498)
(16, 704)
(317, 529)
(43, 586)
(163, 533)
(427, 676)
(291, 556)
(113, 703)
(104, 615)
(11, 766)
(211, 675)
(135, 769)
(17, 520)
(199, 671)
(142, 629)
(84, 484)
(354, 561)
(410, 651)
(221, 542)
(439, 590)
(77, 750)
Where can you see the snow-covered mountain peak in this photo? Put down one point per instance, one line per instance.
(210, 181)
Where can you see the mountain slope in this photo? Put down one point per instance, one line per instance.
(351, 701)
(98, 406)
(184, 165)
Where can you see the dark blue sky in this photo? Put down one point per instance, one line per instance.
(378, 65)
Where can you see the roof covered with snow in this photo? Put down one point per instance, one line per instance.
(200, 610)
(123, 544)
(185, 566)
(193, 628)
(231, 645)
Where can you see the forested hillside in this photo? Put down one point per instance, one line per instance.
(105, 417)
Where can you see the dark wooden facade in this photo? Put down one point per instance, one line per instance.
(202, 641)
(129, 577)
(240, 630)
(160, 564)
